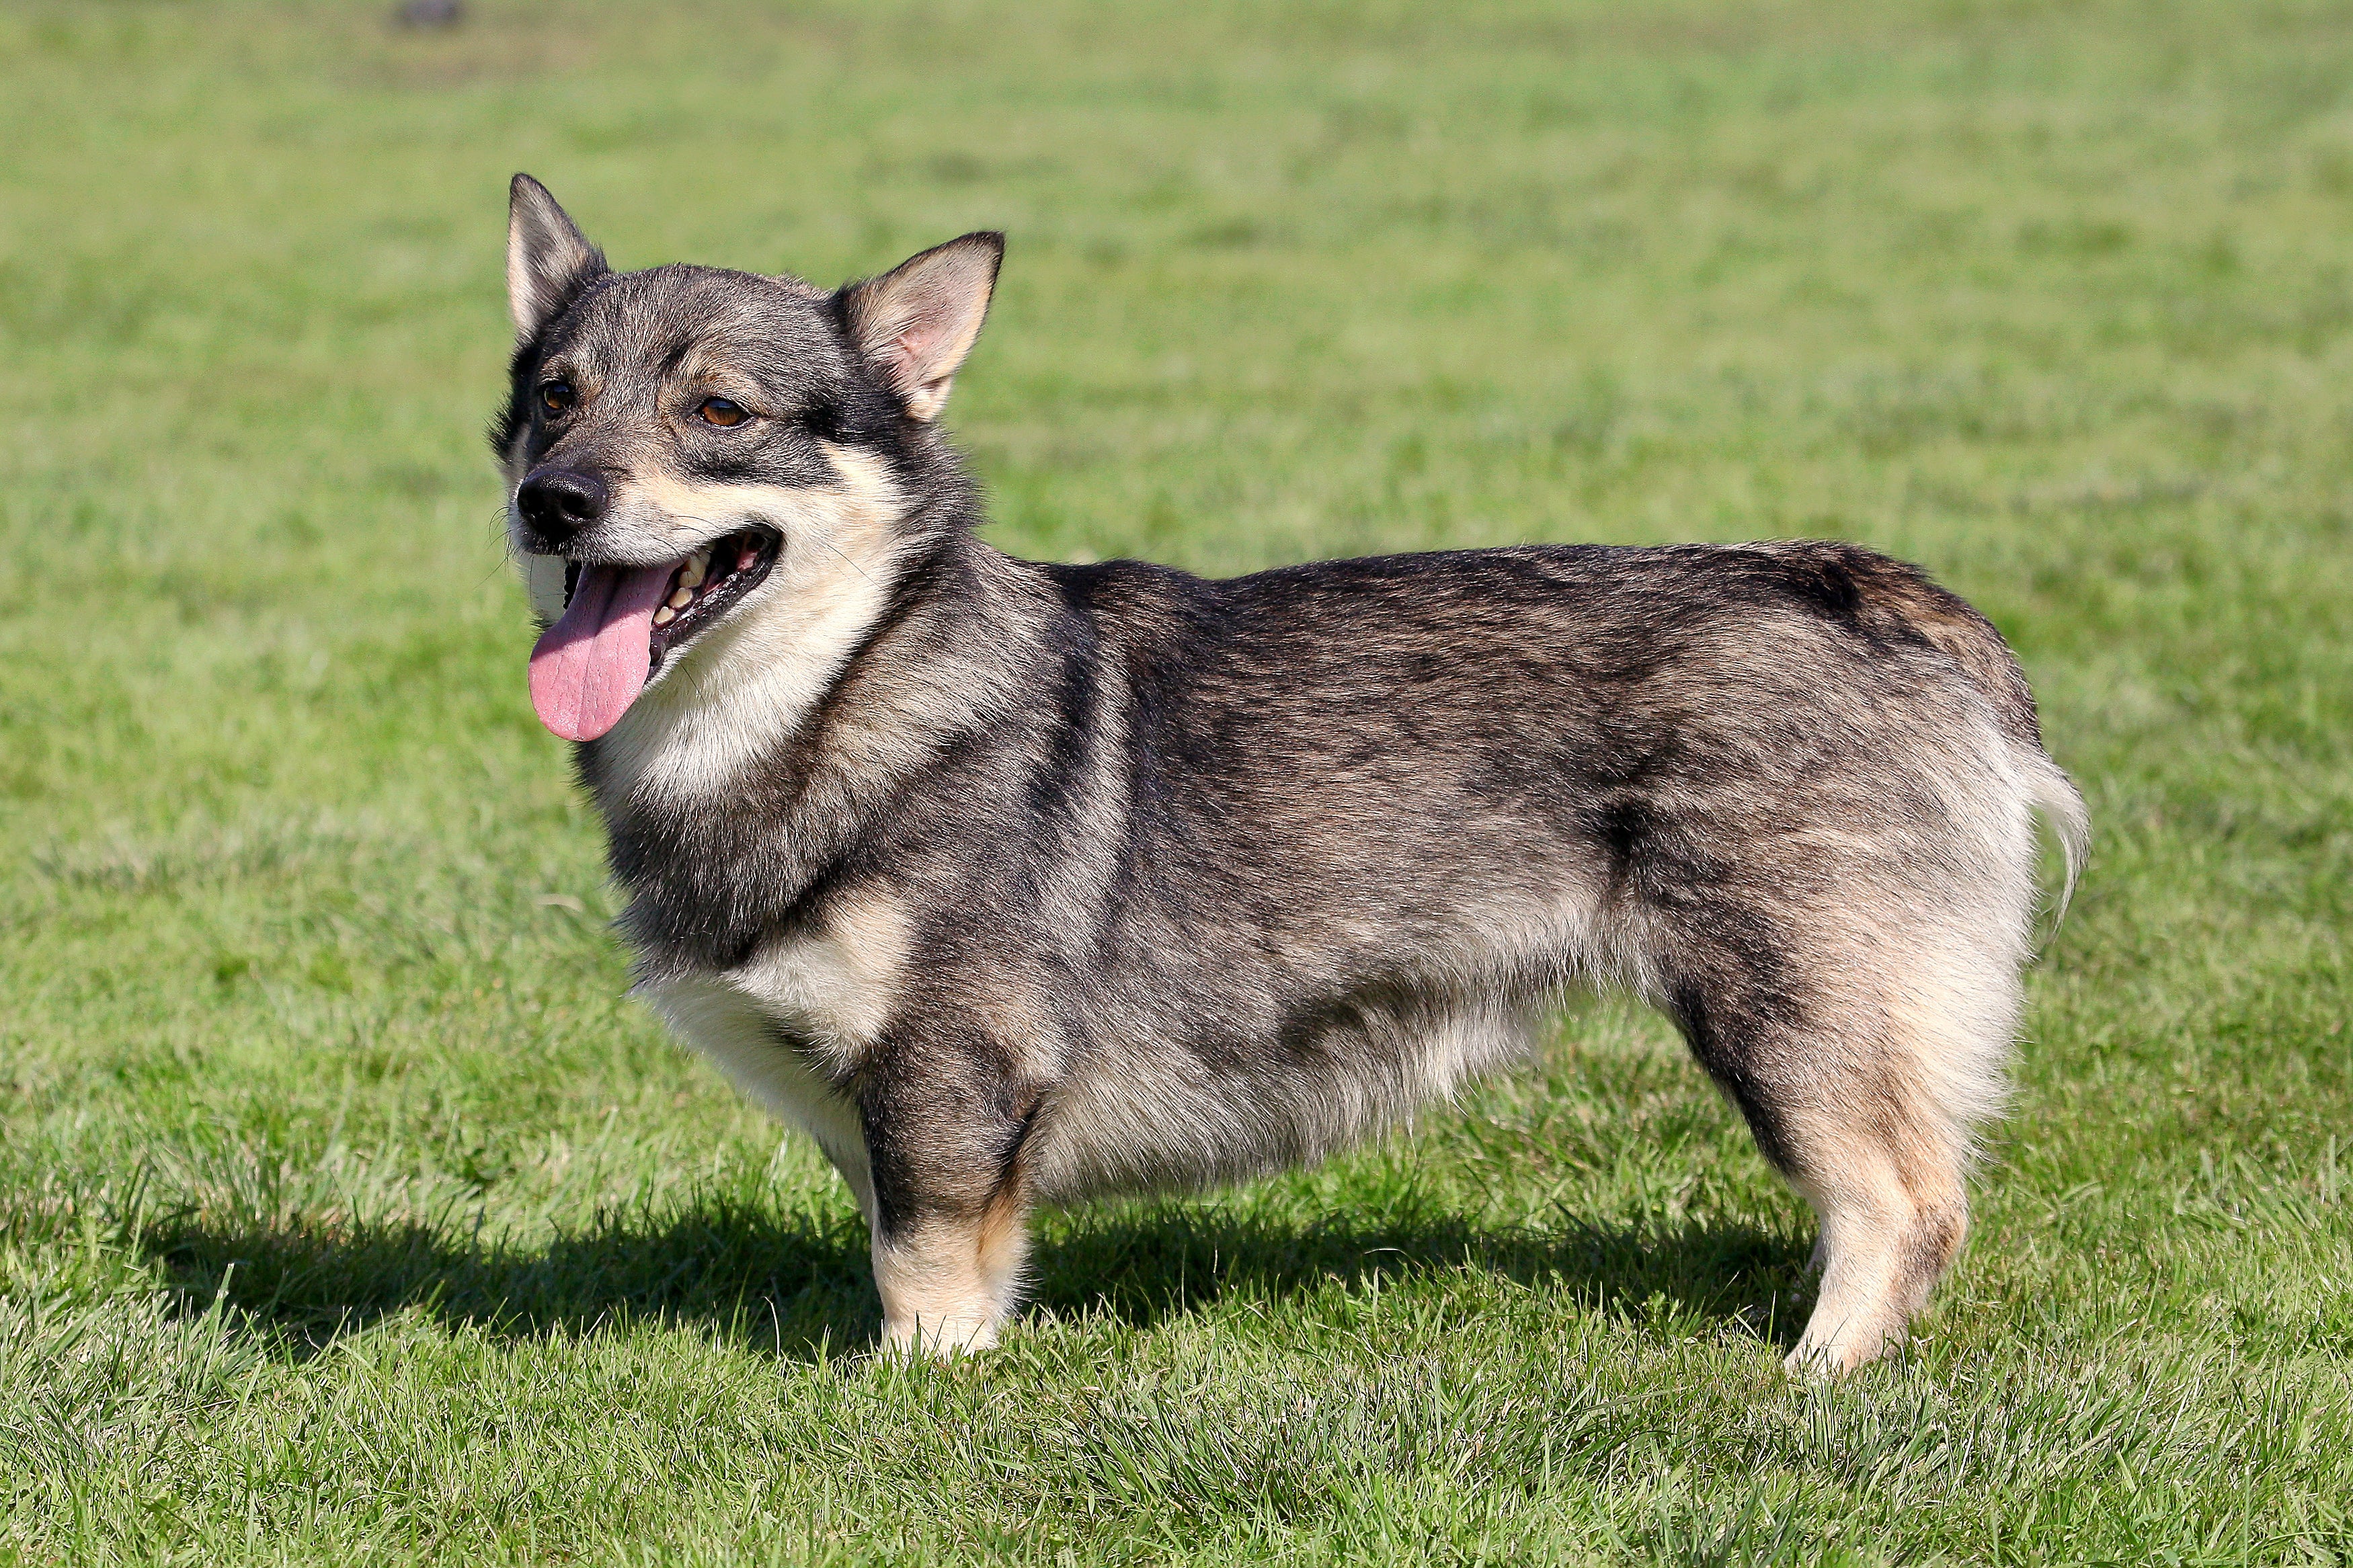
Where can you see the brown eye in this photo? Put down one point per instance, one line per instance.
(722, 412)
(556, 397)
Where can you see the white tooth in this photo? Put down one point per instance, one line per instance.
(681, 599)
(746, 562)
(664, 615)
(696, 565)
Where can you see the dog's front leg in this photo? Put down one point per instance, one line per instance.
(946, 1124)
(948, 1282)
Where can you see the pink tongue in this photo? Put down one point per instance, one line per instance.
(590, 666)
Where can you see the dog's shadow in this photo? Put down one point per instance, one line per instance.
(798, 1287)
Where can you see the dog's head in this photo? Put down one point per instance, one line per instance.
(683, 442)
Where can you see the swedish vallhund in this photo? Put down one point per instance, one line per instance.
(1012, 883)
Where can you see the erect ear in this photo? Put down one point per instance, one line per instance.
(917, 321)
(547, 259)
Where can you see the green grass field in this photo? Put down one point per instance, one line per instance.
(349, 1215)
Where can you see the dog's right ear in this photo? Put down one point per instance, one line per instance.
(548, 261)
(917, 321)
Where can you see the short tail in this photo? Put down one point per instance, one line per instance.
(1897, 599)
(2054, 794)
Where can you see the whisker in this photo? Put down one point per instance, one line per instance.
(853, 565)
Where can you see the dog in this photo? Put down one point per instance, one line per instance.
(1013, 883)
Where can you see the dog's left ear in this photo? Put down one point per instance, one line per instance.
(917, 321)
(548, 258)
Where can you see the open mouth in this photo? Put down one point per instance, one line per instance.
(619, 623)
(701, 589)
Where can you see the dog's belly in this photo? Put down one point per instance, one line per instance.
(754, 1042)
(1141, 1118)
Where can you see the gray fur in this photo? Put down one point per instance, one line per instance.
(1017, 883)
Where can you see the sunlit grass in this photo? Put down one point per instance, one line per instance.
(348, 1213)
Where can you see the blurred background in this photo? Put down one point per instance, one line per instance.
(303, 921)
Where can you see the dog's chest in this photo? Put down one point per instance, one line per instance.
(794, 1020)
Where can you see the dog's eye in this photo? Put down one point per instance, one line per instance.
(556, 397)
(722, 412)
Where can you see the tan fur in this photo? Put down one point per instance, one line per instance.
(836, 987)
(740, 1031)
(743, 685)
(1883, 1153)
(1003, 1246)
(949, 1286)
(1894, 1209)
(938, 1297)
(830, 991)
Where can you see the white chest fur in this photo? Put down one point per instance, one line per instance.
(802, 1008)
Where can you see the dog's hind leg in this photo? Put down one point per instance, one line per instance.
(1894, 1209)
(1862, 1080)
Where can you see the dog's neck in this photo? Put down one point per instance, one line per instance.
(734, 784)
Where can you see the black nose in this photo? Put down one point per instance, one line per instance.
(560, 502)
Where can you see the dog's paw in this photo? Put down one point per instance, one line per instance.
(937, 1339)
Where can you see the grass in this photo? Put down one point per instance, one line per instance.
(348, 1215)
